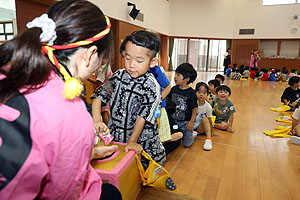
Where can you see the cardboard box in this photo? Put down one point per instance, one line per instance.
(121, 171)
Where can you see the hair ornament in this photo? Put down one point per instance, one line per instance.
(48, 28)
(73, 87)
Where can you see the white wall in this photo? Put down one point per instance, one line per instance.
(209, 18)
(8, 4)
(202, 18)
(268, 21)
(156, 12)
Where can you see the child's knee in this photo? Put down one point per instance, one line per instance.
(297, 130)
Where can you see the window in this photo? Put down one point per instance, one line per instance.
(279, 2)
(203, 54)
(6, 31)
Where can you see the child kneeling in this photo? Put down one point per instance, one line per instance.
(223, 109)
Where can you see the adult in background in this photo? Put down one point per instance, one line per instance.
(227, 59)
(254, 58)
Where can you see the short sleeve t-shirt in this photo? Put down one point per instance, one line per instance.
(204, 110)
(290, 94)
(185, 101)
(222, 112)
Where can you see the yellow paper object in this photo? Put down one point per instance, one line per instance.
(281, 108)
(286, 119)
(155, 175)
(279, 133)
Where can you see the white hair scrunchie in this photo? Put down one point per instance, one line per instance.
(48, 28)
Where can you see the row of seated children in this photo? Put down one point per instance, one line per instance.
(189, 110)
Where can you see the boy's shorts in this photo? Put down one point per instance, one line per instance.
(220, 120)
(163, 126)
(188, 138)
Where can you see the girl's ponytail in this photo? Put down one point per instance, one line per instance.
(27, 65)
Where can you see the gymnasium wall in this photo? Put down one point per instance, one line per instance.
(209, 18)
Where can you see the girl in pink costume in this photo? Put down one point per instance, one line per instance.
(46, 134)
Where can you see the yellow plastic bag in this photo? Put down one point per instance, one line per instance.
(155, 175)
(286, 119)
(279, 133)
(281, 108)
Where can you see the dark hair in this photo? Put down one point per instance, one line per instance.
(187, 71)
(293, 80)
(253, 68)
(145, 39)
(284, 70)
(242, 66)
(214, 82)
(224, 88)
(237, 70)
(199, 84)
(220, 76)
(293, 70)
(75, 20)
(247, 68)
(234, 69)
(234, 65)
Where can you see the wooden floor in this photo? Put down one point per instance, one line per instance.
(245, 164)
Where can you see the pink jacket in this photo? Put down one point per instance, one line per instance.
(62, 136)
(252, 61)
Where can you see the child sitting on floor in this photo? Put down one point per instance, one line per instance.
(291, 95)
(284, 75)
(223, 109)
(246, 73)
(228, 71)
(220, 78)
(237, 75)
(253, 73)
(135, 98)
(265, 75)
(293, 73)
(204, 115)
(295, 139)
(185, 101)
(272, 76)
(213, 85)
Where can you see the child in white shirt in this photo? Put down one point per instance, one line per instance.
(204, 114)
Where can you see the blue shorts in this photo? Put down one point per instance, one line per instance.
(188, 138)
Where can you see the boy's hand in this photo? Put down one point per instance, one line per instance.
(102, 151)
(100, 127)
(189, 126)
(230, 129)
(134, 146)
(293, 104)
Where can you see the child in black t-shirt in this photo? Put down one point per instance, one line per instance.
(291, 95)
(184, 101)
